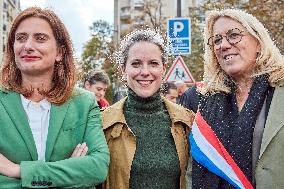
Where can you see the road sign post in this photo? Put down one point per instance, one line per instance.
(178, 31)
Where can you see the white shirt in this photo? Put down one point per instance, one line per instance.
(38, 114)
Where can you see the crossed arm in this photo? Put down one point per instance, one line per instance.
(86, 165)
(13, 170)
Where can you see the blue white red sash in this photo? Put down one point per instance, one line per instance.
(207, 150)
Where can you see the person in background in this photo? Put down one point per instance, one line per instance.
(241, 107)
(169, 91)
(187, 97)
(146, 133)
(190, 99)
(98, 82)
(181, 87)
(51, 133)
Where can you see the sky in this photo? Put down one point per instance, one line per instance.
(77, 15)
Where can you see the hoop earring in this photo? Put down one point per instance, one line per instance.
(59, 68)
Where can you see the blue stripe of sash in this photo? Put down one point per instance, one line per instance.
(201, 158)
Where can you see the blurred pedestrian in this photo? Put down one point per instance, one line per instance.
(190, 99)
(169, 91)
(187, 97)
(51, 134)
(238, 138)
(181, 87)
(146, 134)
(98, 82)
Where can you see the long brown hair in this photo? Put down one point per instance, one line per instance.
(64, 75)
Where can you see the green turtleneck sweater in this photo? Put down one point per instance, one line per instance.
(156, 163)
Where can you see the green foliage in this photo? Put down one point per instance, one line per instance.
(195, 60)
(90, 54)
(96, 51)
(102, 30)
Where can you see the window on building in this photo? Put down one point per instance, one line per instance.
(139, 8)
(138, 3)
(4, 5)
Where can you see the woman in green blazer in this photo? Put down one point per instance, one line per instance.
(51, 134)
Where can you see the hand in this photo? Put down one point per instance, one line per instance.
(8, 168)
(80, 150)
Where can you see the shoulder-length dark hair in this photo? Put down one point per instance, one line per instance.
(64, 75)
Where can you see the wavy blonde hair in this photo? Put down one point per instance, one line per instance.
(269, 61)
(64, 75)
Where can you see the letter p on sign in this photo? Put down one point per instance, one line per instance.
(178, 32)
(178, 27)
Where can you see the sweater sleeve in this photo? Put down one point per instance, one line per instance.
(82, 171)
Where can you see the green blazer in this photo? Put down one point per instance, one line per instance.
(76, 121)
(270, 167)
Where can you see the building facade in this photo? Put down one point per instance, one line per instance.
(8, 11)
(130, 14)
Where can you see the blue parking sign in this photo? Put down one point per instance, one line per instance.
(178, 30)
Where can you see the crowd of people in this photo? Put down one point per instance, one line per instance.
(226, 133)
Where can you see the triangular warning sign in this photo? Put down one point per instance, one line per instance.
(179, 71)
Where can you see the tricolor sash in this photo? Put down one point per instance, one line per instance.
(208, 151)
